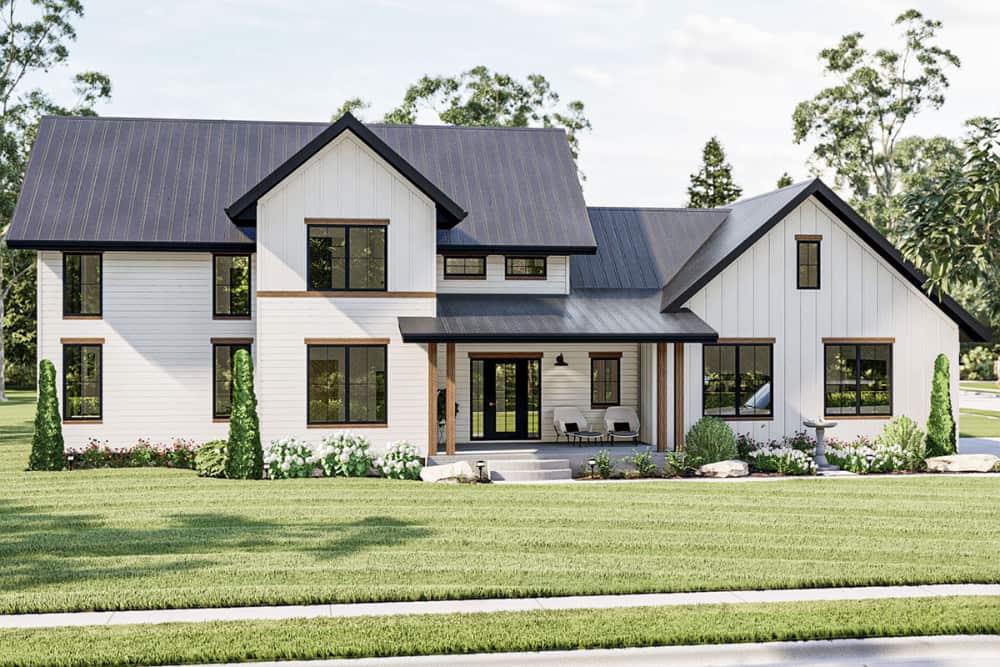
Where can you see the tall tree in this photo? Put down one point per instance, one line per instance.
(856, 124)
(33, 41)
(354, 105)
(784, 180)
(713, 184)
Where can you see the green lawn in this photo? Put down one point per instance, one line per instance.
(151, 538)
(480, 633)
(978, 423)
(978, 385)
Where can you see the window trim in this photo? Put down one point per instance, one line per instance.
(100, 296)
(347, 227)
(448, 275)
(347, 385)
(226, 342)
(606, 356)
(517, 276)
(88, 419)
(801, 240)
(738, 343)
(857, 343)
(216, 315)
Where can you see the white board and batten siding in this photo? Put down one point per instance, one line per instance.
(157, 328)
(556, 279)
(861, 296)
(344, 180)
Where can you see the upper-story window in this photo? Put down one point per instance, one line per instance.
(465, 268)
(807, 252)
(231, 286)
(82, 284)
(526, 268)
(347, 257)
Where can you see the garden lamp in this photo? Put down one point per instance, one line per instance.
(480, 464)
(592, 462)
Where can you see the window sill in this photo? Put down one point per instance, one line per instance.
(843, 417)
(347, 426)
(83, 317)
(465, 277)
(526, 277)
(232, 317)
(83, 421)
(604, 406)
(220, 420)
(734, 418)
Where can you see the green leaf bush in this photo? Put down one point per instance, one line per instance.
(210, 461)
(941, 422)
(47, 445)
(977, 364)
(642, 460)
(345, 455)
(244, 454)
(710, 440)
(903, 432)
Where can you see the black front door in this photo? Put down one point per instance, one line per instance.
(511, 399)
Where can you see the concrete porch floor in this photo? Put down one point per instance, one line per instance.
(576, 456)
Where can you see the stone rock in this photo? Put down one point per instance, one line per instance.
(460, 470)
(962, 463)
(731, 468)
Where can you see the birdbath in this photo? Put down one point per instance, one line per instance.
(821, 425)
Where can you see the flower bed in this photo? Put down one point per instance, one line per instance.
(180, 453)
(862, 456)
(340, 455)
(400, 461)
(792, 455)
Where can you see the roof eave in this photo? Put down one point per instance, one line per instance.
(500, 249)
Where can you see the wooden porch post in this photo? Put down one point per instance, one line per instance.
(449, 399)
(661, 397)
(678, 396)
(432, 389)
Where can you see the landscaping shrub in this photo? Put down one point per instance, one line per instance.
(400, 461)
(605, 464)
(345, 455)
(780, 457)
(709, 440)
(180, 453)
(244, 454)
(287, 458)
(47, 443)
(642, 459)
(744, 445)
(977, 364)
(861, 456)
(903, 432)
(941, 422)
(210, 461)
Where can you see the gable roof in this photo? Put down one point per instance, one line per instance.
(164, 184)
(750, 219)
(642, 247)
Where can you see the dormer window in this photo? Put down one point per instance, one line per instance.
(807, 252)
(526, 268)
(349, 257)
(465, 268)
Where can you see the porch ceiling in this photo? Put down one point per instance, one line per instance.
(585, 315)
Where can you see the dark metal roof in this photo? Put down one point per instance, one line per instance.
(162, 183)
(751, 218)
(642, 247)
(584, 316)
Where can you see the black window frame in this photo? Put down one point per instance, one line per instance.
(215, 303)
(857, 414)
(736, 390)
(347, 385)
(100, 292)
(100, 383)
(799, 243)
(347, 227)
(509, 275)
(450, 275)
(248, 346)
(604, 358)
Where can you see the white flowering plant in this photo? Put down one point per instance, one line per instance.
(345, 455)
(863, 457)
(779, 457)
(288, 458)
(400, 461)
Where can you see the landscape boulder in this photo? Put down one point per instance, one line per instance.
(962, 463)
(732, 468)
(450, 472)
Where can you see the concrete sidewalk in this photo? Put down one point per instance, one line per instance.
(487, 605)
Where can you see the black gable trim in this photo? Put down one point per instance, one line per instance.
(449, 213)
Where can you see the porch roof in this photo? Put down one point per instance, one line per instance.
(585, 315)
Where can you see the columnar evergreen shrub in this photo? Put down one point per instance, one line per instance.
(709, 440)
(47, 444)
(941, 423)
(244, 453)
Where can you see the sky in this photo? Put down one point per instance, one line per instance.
(657, 78)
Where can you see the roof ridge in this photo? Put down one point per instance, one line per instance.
(776, 190)
(658, 208)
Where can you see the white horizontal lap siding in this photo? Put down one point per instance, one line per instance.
(556, 279)
(562, 386)
(861, 296)
(157, 356)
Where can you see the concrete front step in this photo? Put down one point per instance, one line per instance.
(513, 465)
(529, 470)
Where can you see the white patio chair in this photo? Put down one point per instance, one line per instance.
(571, 423)
(621, 422)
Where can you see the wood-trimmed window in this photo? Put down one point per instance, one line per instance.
(347, 257)
(347, 384)
(526, 268)
(231, 286)
(222, 376)
(82, 284)
(857, 379)
(808, 262)
(465, 268)
(82, 381)
(605, 379)
(738, 380)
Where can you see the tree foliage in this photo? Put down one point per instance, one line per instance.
(355, 106)
(47, 443)
(244, 453)
(784, 180)
(33, 41)
(856, 124)
(941, 422)
(713, 184)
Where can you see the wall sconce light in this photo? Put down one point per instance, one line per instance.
(560, 361)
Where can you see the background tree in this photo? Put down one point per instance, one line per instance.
(244, 454)
(941, 421)
(713, 184)
(857, 124)
(784, 180)
(354, 105)
(32, 42)
(47, 445)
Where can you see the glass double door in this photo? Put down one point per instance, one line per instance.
(506, 399)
